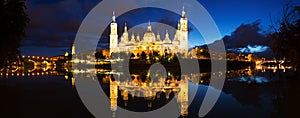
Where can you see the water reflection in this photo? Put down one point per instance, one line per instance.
(250, 88)
(150, 91)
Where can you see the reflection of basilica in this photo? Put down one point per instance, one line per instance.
(149, 41)
(150, 91)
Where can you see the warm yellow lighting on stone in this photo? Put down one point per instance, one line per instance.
(150, 42)
(66, 54)
(73, 81)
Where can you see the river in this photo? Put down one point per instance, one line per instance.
(246, 93)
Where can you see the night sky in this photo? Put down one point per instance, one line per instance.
(54, 23)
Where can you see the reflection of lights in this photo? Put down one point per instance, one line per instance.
(66, 77)
(76, 60)
(23, 74)
(82, 61)
(76, 71)
(258, 67)
(73, 81)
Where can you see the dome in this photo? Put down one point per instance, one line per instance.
(149, 36)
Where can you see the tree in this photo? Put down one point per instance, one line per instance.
(143, 55)
(287, 34)
(203, 53)
(132, 56)
(99, 55)
(13, 21)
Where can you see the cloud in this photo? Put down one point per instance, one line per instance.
(244, 36)
(54, 23)
(247, 38)
(250, 49)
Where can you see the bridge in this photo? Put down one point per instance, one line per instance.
(38, 60)
(274, 62)
(33, 62)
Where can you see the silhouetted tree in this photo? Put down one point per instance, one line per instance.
(13, 20)
(203, 53)
(156, 56)
(99, 55)
(286, 35)
(132, 56)
(143, 56)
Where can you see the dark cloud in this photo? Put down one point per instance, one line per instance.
(54, 23)
(245, 38)
(244, 35)
(247, 34)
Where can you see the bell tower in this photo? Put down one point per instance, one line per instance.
(113, 34)
(183, 32)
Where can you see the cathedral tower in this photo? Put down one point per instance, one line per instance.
(73, 50)
(183, 27)
(113, 34)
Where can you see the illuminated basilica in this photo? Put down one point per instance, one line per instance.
(150, 41)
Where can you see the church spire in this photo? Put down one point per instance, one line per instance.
(138, 38)
(73, 49)
(167, 38)
(114, 17)
(132, 38)
(167, 34)
(149, 26)
(183, 13)
(125, 27)
(178, 25)
(158, 37)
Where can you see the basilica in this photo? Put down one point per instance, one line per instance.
(149, 42)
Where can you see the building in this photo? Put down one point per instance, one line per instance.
(150, 41)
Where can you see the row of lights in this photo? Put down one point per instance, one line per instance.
(37, 57)
(23, 74)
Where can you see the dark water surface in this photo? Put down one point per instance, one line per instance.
(246, 93)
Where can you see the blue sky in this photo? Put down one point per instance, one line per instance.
(54, 23)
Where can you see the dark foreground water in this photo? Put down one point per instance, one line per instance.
(246, 93)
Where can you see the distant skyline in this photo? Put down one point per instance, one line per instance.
(54, 23)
